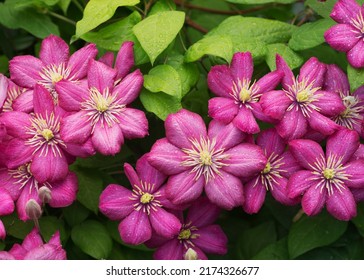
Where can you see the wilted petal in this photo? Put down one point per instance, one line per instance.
(299, 182)
(306, 152)
(124, 59)
(164, 223)
(54, 50)
(313, 200)
(341, 37)
(293, 125)
(355, 170)
(107, 140)
(225, 190)
(226, 136)
(275, 103)
(129, 88)
(24, 70)
(220, 81)
(245, 121)
(63, 193)
(254, 194)
(115, 202)
(79, 61)
(148, 173)
(341, 204)
(344, 11)
(242, 66)
(223, 109)
(356, 55)
(183, 126)
(133, 123)
(135, 229)
(212, 240)
(202, 212)
(100, 76)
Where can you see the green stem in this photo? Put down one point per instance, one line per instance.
(62, 18)
(78, 5)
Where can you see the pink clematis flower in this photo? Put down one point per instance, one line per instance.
(238, 100)
(37, 140)
(327, 179)
(6, 207)
(274, 177)
(197, 236)
(100, 111)
(353, 115)
(347, 36)
(17, 98)
(21, 185)
(302, 104)
(33, 248)
(141, 210)
(54, 64)
(197, 160)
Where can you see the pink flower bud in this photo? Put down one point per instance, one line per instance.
(45, 194)
(33, 209)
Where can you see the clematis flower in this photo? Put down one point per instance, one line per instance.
(142, 210)
(274, 177)
(197, 237)
(17, 98)
(6, 208)
(197, 160)
(21, 185)
(238, 96)
(54, 64)
(37, 140)
(33, 248)
(353, 115)
(302, 104)
(327, 179)
(100, 111)
(2, 231)
(347, 35)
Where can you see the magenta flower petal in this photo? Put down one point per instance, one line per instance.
(313, 71)
(289, 164)
(135, 229)
(254, 193)
(32, 240)
(129, 88)
(46, 252)
(107, 58)
(202, 212)
(79, 61)
(344, 11)
(171, 250)
(288, 78)
(184, 188)
(341, 37)
(24, 70)
(336, 80)
(220, 80)
(242, 66)
(356, 56)
(148, 173)
(7, 182)
(225, 190)
(223, 109)
(306, 152)
(100, 76)
(245, 121)
(358, 194)
(6, 203)
(71, 95)
(355, 171)
(330, 103)
(269, 81)
(49, 167)
(63, 192)
(42, 101)
(16, 123)
(75, 128)
(245, 160)
(6, 256)
(359, 154)
(293, 125)
(164, 223)
(3, 89)
(133, 123)
(341, 205)
(83, 150)
(275, 103)
(313, 201)
(212, 240)
(107, 140)
(183, 126)
(18, 252)
(17, 153)
(322, 124)
(270, 141)
(54, 50)
(166, 157)
(227, 136)
(133, 177)
(2, 236)
(124, 59)
(115, 202)
(299, 182)
(344, 143)
(24, 102)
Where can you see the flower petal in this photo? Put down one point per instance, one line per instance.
(115, 202)
(9, 183)
(54, 50)
(322, 124)
(148, 173)
(306, 152)
(288, 78)
(211, 240)
(135, 229)
(133, 123)
(254, 196)
(226, 136)
(275, 103)
(18, 153)
(2, 237)
(268, 82)
(24, 102)
(6, 203)
(341, 37)
(171, 250)
(270, 141)
(279, 191)
(202, 212)
(129, 88)
(329, 103)
(289, 164)
(356, 55)
(183, 126)
(79, 61)
(225, 190)
(42, 101)
(355, 171)
(293, 125)
(242, 66)
(220, 81)
(46, 252)
(299, 182)
(24, 70)
(75, 128)
(245, 121)
(100, 76)
(336, 80)
(222, 109)
(341, 204)
(3, 89)
(124, 59)
(313, 71)
(107, 58)
(107, 140)
(17, 123)
(71, 95)
(164, 223)
(63, 192)
(313, 201)
(132, 176)
(32, 240)
(345, 11)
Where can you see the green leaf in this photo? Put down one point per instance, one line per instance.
(4, 64)
(90, 186)
(99, 11)
(323, 8)
(293, 59)
(112, 36)
(156, 32)
(257, 50)
(313, 232)
(13, 15)
(274, 251)
(164, 78)
(75, 214)
(218, 45)
(356, 77)
(160, 103)
(359, 219)
(162, 6)
(92, 238)
(2, 245)
(16, 227)
(64, 4)
(49, 225)
(310, 35)
(256, 2)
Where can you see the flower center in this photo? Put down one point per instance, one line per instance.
(267, 168)
(244, 95)
(102, 104)
(303, 96)
(146, 198)
(184, 234)
(205, 158)
(358, 23)
(329, 173)
(47, 134)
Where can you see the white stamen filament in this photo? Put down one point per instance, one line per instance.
(351, 117)
(244, 93)
(145, 198)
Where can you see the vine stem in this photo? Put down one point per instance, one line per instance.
(62, 18)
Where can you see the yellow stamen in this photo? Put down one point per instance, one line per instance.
(205, 158)
(303, 95)
(184, 234)
(102, 104)
(267, 168)
(329, 173)
(146, 198)
(47, 134)
(244, 95)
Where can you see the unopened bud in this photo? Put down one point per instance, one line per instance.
(45, 194)
(190, 254)
(33, 210)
